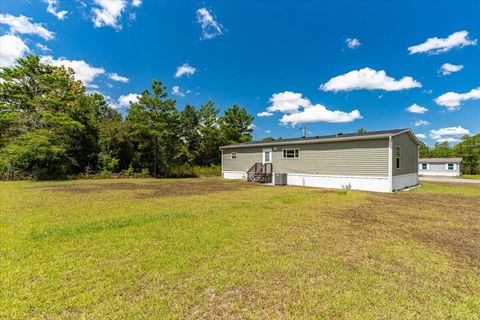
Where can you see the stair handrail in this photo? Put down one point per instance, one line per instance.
(253, 170)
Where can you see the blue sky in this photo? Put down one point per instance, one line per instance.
(332, 66)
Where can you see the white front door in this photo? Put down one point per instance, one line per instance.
(267, 155)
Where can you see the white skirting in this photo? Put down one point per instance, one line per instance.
(444, 174)
(377, 184)
(404, 181)
(234, 175)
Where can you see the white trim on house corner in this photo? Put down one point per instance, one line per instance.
(404, 181)
(390, 160)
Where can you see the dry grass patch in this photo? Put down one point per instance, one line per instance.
(151, 188)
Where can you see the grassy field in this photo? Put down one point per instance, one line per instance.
(213, 249)
(471, 176)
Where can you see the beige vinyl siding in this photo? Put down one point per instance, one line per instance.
(246, 157)
(347, 158)
(408, 155)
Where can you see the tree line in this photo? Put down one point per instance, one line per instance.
(52, 128)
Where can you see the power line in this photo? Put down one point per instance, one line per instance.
(294, 132)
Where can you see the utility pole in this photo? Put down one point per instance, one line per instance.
(304, 131)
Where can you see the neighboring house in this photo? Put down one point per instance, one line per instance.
(381, 161)
(440, 166)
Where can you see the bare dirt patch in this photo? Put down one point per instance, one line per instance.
(155, 188)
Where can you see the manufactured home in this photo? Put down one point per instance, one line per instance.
(382, 161)
(440, 166)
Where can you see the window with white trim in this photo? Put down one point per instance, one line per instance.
(234, 155)
(397, 157)
(424, 166)
(450, 166)
(290, 153)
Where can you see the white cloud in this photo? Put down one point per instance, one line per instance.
(287, 102)
(185, 69)
(264, 114)
(449, 134)
(110, 101)
(421, 135)
(452, 100)
(415, 108)
(42, 47)
(369, 79)
(136, 3)
(210, 27)
(116, 77)
(177, 91)
(24, 25)
(124, 100)
(319, 113)
(419, 123)
(353, 43)
(440, 45)
(449, 140)
(108, 13)
(448, 68)
(83, 71)
(13, 48)
(301, 110)
(268, 131)
(253, 127)
(53, 9)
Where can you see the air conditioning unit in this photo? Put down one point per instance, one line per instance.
(280, 179)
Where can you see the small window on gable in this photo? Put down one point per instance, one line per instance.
(234, 155)
(290, 153)
(424, 166)
(397, 157)
(450, 166)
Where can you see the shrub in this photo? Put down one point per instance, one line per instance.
(183, 171)
(211, 171)
(36, 155)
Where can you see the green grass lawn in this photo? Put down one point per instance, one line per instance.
(471, 176)
(213, 249)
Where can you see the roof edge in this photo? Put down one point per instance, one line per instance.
(410, 132)
(311, 141)
(454, 159)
